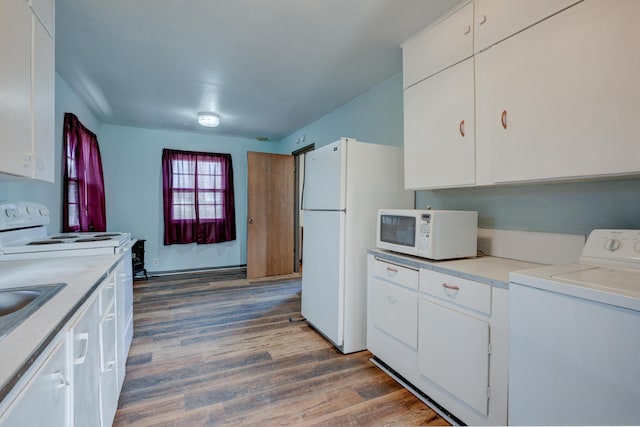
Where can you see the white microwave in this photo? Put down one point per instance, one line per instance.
(431, 234)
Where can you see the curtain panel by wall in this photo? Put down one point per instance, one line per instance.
(83, 193)
(198, 197)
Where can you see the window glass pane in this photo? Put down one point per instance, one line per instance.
(182, 212)
(208, 212)
(183, 198)
(210, 197)
(209, 167)
(73, 191)
(183, 166)
(183, 181)
(73, 215)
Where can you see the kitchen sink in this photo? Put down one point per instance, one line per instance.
(17, 304)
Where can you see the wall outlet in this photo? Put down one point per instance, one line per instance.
(156, 261)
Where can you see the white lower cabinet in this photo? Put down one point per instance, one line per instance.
(86, 366)
(75, 381)
(454, 353)
(109, 389)
(46, 398)
(445, 335)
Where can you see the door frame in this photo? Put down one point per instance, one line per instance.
(298, 189)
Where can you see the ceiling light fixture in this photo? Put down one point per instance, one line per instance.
(209, 120)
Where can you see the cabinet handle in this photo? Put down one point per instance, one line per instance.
(461, 128)
(467, 30)
(110, 366)
(84, 337)
(60, 380)
(503, 119)
(392, 300)
(452, 287)
(392, 270)
(482, 20)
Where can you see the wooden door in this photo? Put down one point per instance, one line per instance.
(270, 209)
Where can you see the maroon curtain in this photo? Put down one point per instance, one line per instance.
(84, 203)
(198, 197)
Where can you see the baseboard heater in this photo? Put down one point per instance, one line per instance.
(417, 393)
(236, 272)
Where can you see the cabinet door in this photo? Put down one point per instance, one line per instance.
(560, 100)
(43, 71)
(395, 311)
(439, 146)
(86, 367)
(15, 88)
(45, 400)
(453, 352)
(495, 20)
(441, 46)
(109, 389)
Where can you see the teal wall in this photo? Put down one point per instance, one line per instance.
(50, 195)
(375, 116)
(571, 208)
(131, 159)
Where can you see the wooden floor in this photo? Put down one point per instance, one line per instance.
(209, 352)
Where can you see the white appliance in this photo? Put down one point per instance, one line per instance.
(432, 234)
(346, 182)
(23, 235)
(575, 337)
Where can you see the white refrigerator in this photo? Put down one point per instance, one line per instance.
(345, 184)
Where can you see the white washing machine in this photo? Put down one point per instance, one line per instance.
(574, 351)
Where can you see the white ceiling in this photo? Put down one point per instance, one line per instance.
(267, 67)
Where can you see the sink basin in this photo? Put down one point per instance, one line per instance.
(17, 304)
(12, 301)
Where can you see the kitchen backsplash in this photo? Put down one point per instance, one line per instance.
(544, 248)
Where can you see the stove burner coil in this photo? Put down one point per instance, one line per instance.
(107, 235)
(93, 239)
(45, 242)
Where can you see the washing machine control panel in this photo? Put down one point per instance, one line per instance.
(614, 247)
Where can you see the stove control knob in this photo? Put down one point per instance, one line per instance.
(7, 212)
(30, 210)
(612, 244)
(44, 212)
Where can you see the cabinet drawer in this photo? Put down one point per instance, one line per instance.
(395, 311)
(394, 273)
(465, 293)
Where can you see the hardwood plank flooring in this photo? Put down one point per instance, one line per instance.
(235, 352)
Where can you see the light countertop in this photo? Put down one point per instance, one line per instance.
(490, 270)
(82, 274)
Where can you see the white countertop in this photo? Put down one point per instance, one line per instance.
(486, 269)
(81, 274)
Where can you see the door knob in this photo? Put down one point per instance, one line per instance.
(251, 221)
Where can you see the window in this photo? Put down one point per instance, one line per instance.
(83, 193)
(198, 197)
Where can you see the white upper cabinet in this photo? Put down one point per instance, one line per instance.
(495, 20)
(15, 87)
(560, 100)
(45, 10)
(438, 47)
(27, 81)
(43, 107)
(439, 130)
